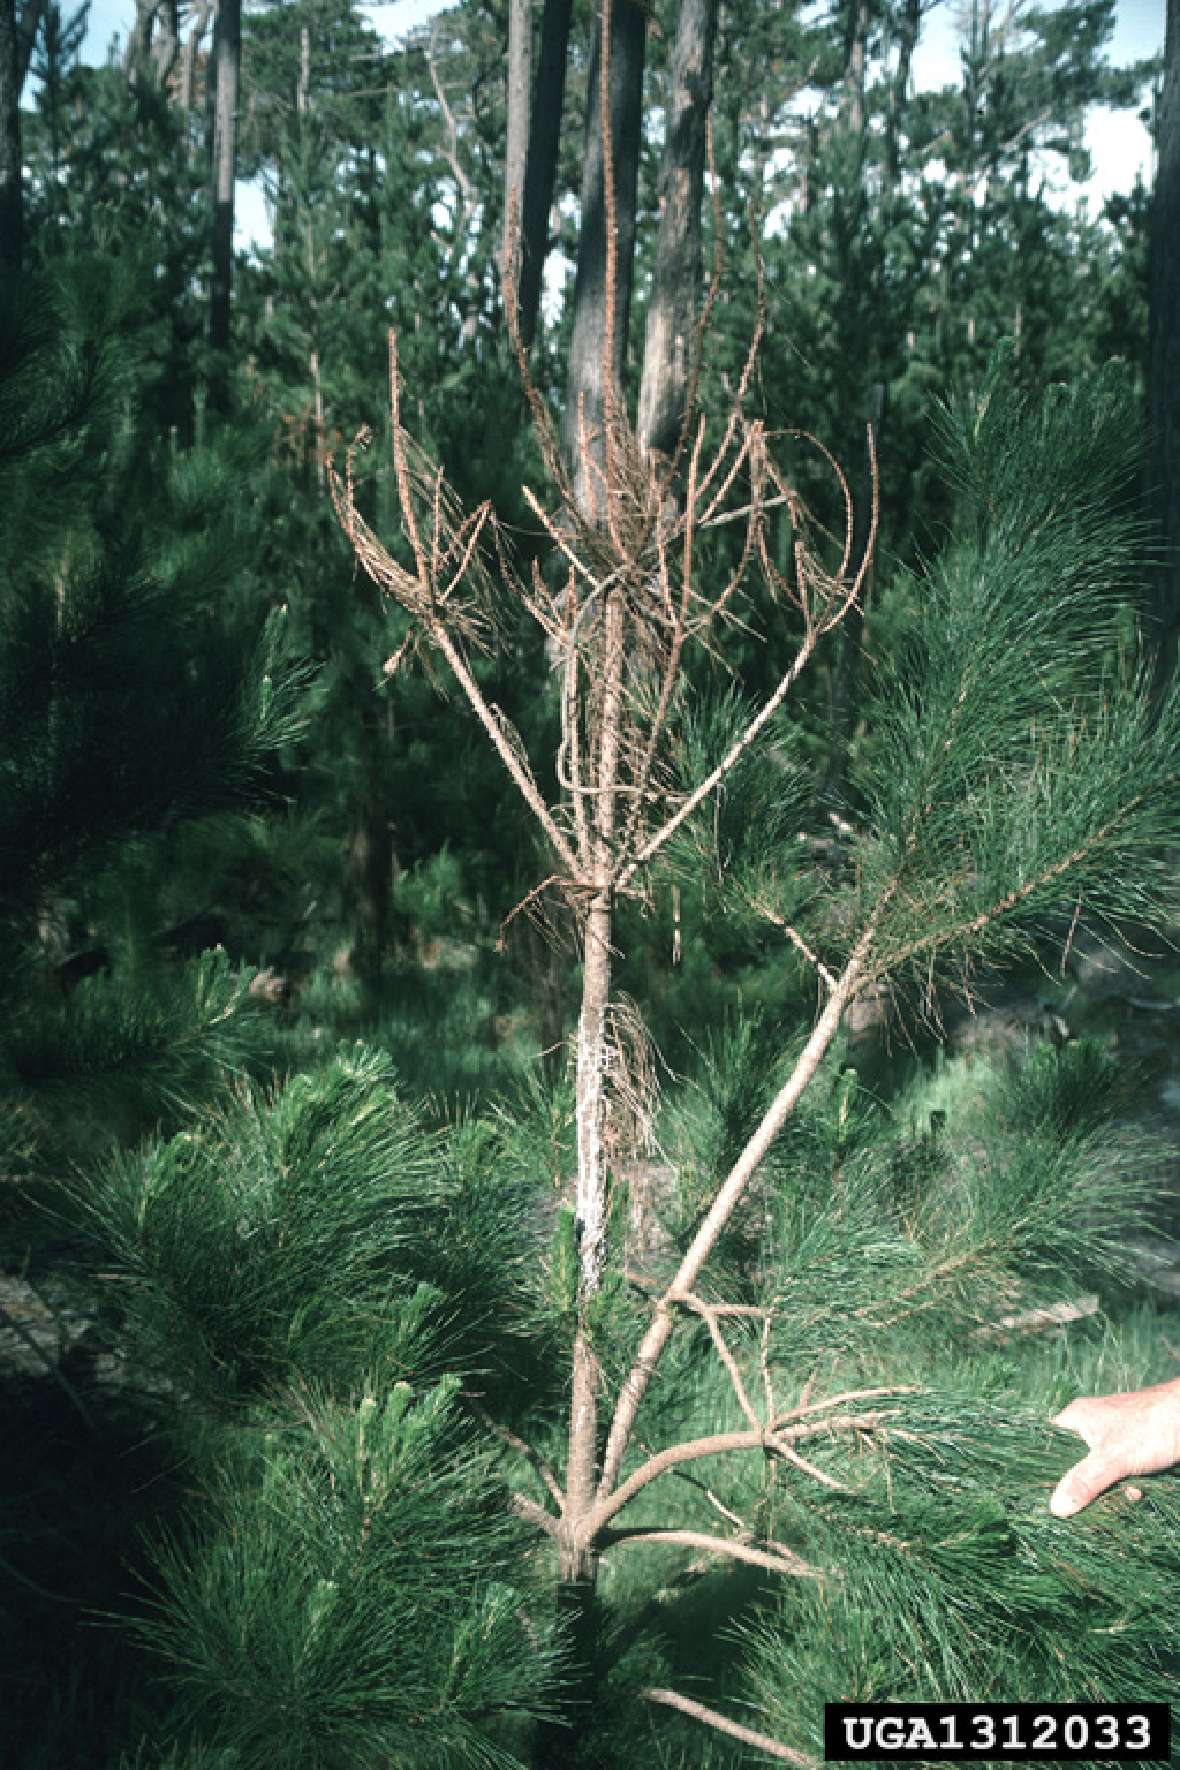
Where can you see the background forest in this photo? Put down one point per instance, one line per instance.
(666, 859)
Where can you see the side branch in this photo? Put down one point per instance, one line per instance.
(522, 1507)
(773, 1440)
(691, 1451)
(776, 1557)
(527, 786)
(771, 915)
(724, 1352)
(517, 1443)
(732, 756)
(722, 1724)
(1019, 894)
(636, 1382)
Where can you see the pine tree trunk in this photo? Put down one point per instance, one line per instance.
(909, 25)
(577, 1551)
(198, 25)
(520, 58)
(227, 48)
(11, 186)
(602, 301)
(541, 166)
(672, 312)
(856, 26)
(166, 48)
(1163, 386)
(139, 41)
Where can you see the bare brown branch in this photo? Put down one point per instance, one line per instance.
(774, 1557)
(509, 1437)
(722, 1724)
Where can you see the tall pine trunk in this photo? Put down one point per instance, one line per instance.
(227, 51)
(520, 58)
(602, 283)
(540, 174)
(676, 278)
(1163, 386)
(11, 186)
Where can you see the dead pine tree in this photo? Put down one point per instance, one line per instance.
(622, 619)
(988, 717)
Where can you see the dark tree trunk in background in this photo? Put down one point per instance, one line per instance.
(856, 25)
(12, 214)
(198, 24)
(676, 279)
(596, 356)
(907, 27)
(846, 683)
(845, 706)
(139, 40)
(227, 51)
(369, 861)
(1163, 386)
(541, 165)
(520, 59)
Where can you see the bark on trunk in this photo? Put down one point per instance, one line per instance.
(137, 54)
(602, 285)
(166, 48)
(577, 1547)
(11, 185)
(1163, 388)
(227, 46)
(672, 312)
(909, 25)
(520, 58)
(856, 25)
(198, 25)
(541, 166)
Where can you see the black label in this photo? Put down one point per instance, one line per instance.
(948, 1732)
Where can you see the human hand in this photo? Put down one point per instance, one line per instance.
(1137, 1433)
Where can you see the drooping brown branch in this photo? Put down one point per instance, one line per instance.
(839, 599)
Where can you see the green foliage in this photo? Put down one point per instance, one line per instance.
(1016, 763)
(293, 1615)
(887, 1264)
(961, 1583)
(132, 700)
(268, 1246)
(301, 1275)
(315, 1233)
(160, 1040)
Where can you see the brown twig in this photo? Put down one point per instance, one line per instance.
(708, 1314)
(509, 1437)
(521, 1505)
(775, 1558)
(722, 1724)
